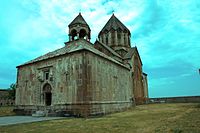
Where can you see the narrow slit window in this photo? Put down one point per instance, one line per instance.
(46, 75)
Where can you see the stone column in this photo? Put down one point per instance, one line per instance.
(129, 39)
(104, 39)
(70, 37)
(77, 35)
(116, 39)
(126, 38)
(100, 38)
(122, 39)
(87, 38)
(109, 38)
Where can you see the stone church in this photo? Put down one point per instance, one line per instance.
(81, 78)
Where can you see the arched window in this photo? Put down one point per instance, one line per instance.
(82, 33)
(74, 34)
(47, 88)
(106, 39)
(119, 36)
(113, 37)
(119, 31)
(125, 41)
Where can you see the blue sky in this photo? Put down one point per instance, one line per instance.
(166, 32)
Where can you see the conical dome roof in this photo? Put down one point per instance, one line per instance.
(114, 23)
(78, 20)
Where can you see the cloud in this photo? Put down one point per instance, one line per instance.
(167, 38)
(166, 33)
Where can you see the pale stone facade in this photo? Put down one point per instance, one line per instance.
(82, 78)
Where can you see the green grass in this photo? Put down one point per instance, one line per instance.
(152, 118)
(6, 111)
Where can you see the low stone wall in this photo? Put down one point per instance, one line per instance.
(4, 98)
(7, 102)
(184, 99)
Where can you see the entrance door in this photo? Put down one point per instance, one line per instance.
(48, 98)
(47, 94)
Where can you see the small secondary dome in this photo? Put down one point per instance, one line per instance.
(79, 28)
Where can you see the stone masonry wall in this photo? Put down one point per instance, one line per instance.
(82, 83)
(110, 85)
(66, 72)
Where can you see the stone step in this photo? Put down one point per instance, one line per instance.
(39, 113)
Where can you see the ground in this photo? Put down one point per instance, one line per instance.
(10, 120)
(158, 118)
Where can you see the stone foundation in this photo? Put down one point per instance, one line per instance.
(76, 110)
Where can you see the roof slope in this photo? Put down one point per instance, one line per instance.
(114, 23)
(131, 53)
(108, 48)
(79, 20)
(70, 47)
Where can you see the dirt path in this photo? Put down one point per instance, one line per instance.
(10, 120)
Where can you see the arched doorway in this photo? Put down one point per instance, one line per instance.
(47, 94)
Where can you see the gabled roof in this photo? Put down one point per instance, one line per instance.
(131, 52)
(70, 47)
(108, 48)
(78, 20)
(114, 23)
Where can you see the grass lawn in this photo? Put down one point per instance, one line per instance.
(6, 111)
(152, 118)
